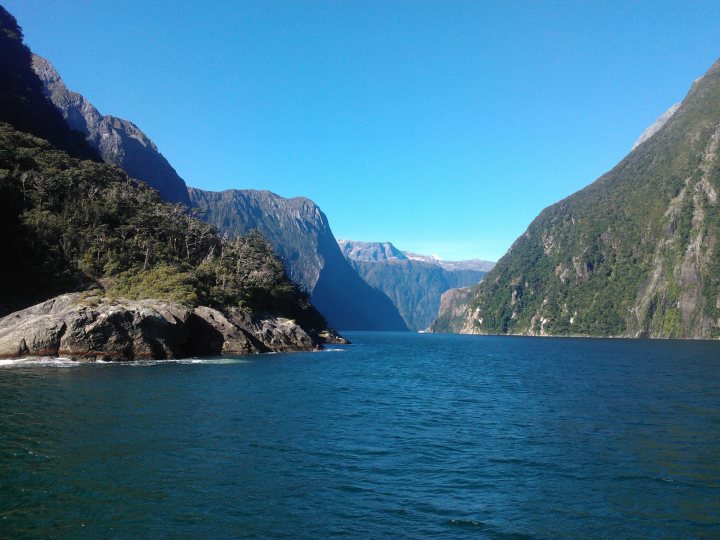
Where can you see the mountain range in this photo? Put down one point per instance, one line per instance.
(636, 253)
(351, 292)
(296, 228)
(413, 282)
(302, 237)
(94, 265)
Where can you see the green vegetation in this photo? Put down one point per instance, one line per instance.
(634, 253)
(69, 224)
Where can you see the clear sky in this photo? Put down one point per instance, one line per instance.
(442, 126)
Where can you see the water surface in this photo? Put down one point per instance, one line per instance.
(400, 435)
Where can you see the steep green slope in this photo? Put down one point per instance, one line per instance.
(636, 253)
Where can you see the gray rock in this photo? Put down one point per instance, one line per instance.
(89, 327)
(656, 126)
(83, 328)
(118, 141)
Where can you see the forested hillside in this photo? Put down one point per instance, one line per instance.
(636, 253)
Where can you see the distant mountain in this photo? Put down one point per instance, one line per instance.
(301, 235)
(118, 141)
(385, 251)
(370, 251)
(413, 282)
(453, 304)
(469, 264)
(636, 253)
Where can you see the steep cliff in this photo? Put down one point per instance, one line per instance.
(450, 314)
(301, 235)
(118, 141)
(636, 253)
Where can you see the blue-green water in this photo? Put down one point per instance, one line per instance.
(397, 435)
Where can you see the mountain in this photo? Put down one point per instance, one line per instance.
(453, 304)
(23, 102)
(384, 251)
(636, 253)
(413, 282)
(370, 251)
(301, 235)
(146, 279)
(656, 125)
(308, 247)
(118, 141)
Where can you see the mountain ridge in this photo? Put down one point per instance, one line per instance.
(301, 235)
(414, 283)
(633, 254)
(363, 251)
(118, 141)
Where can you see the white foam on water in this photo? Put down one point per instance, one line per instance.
(67, 362)
(44, 361)
(184, 361)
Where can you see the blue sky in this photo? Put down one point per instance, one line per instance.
(442, 126)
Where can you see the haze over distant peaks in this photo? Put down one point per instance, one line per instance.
(413, 282)
(385, 251)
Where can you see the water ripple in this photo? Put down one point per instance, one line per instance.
(401, 435)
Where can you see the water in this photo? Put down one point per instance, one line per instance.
(397, 435)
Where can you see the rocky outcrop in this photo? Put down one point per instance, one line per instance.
(89, 327)
(656, 125)
(300, 234)
(413, 282)
(118, 141)
(453, 305)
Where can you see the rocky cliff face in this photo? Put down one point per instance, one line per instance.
(301, 236)
(118, 141)
(89, 327)
(636, 253)
(23, 102)
(413, 282)
(453, 305)
(370, 251)
(655, 126)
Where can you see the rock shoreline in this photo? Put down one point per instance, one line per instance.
(92, 327)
